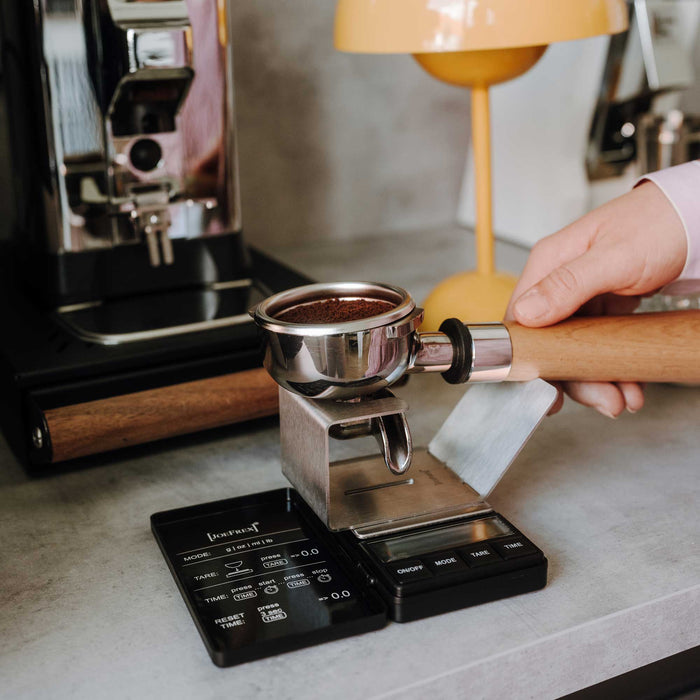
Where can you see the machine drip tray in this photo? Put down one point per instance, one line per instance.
(153, 316)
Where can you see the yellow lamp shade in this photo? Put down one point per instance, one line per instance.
(481, 67)
(430, 26)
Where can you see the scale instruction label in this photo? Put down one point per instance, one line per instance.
(257, 573)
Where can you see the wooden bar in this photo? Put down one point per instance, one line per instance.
(132, 419)
(652, 347)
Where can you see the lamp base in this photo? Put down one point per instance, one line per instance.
(470, 297)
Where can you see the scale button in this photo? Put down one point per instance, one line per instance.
(445, 563)
(407, 571)
(479, 554)
(514, 547)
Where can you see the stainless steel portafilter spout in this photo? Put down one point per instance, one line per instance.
(391, 433)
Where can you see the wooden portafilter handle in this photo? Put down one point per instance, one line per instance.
(648, 347)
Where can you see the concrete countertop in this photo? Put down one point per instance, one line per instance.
(89, 609)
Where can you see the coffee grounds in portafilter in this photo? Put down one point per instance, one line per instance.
(335, 311)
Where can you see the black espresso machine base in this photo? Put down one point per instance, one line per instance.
(64, 396)
(262, 575)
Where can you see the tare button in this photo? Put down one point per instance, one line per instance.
(514, 547)
(479, 555)
(407, 571)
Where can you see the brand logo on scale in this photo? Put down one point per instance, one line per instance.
(213, 536)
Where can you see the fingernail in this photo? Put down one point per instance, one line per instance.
(605, 411)
(631, 410)
(532, 305)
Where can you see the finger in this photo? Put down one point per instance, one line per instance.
(551, 252)
(564, 290)
(634, 395)
(606, 398)
(559, 402)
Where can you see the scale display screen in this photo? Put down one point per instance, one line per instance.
(447, 537)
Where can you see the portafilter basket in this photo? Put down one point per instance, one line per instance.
(356, 358)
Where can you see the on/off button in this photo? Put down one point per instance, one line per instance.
(407, 571)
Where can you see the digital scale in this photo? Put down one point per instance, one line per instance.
(352, 546)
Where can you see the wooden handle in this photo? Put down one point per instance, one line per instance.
(132, 419)
(653, 347)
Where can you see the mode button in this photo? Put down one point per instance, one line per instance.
(445, 563)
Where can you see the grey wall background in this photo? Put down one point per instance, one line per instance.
(336, 145)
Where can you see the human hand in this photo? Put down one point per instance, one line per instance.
(602, 264)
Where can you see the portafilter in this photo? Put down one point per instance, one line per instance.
(349, 359)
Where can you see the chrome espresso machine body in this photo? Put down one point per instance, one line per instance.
(124, 263)
(124, 143)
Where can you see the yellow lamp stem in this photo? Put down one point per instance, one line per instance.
(481, 295)
(481, 143)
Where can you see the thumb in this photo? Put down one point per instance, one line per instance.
(564, 290)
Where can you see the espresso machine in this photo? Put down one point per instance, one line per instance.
(126, 279)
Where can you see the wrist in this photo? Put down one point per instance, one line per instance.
(681, 187)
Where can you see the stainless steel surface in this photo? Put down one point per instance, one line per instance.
(664, 141)
(360, 493)
(488, 428)
(432, 352)
(391, 433)
(492, 352)
(162, 315)
(395, 442)
(37, 437)
(139, 105)
(654, 57)
(431, 517)
(267, 312)
(433, 494)
(305, 425)
(343, 360)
